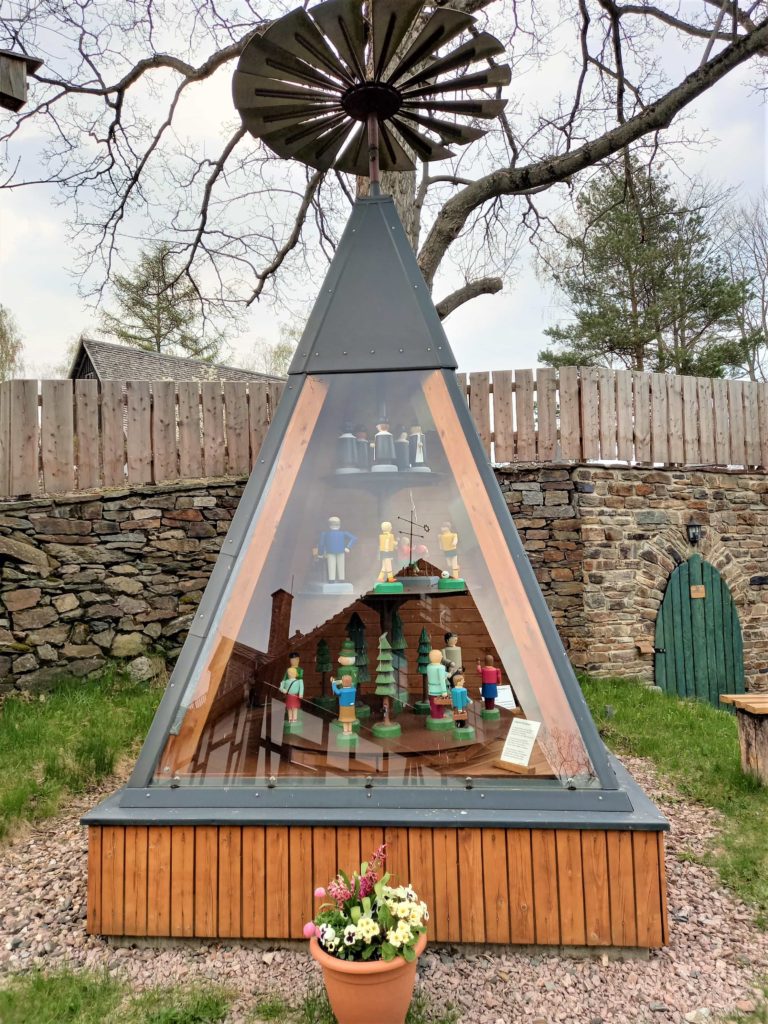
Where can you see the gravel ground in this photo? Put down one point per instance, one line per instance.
(712, 966)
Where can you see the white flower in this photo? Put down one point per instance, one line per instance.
(327, 934)
(403, 909)
(393, 938)
(350, 935)
(331, 945)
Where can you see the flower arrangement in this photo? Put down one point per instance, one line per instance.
(367, 919)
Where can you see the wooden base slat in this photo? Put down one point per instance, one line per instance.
(520, 886)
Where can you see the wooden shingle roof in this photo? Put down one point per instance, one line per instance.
(104, 360)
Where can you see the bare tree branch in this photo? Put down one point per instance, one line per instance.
(484, 286)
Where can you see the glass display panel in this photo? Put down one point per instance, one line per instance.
(374, 622)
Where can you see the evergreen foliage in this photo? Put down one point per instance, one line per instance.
(425, 646)
(385, 676)
(356, 633)
(645, 281)
(160, 311)
(323, 663)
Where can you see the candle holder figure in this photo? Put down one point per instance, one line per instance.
(346, 451)
(384, 456)
(461, 700)
(292, 686)
(346, 691)
(402, 450)
(490, 680)
(387, 584)
(363, 449)
(333, 546)
(417, 450)
(437, 690)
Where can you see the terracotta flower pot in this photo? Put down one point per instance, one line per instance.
(368, 993)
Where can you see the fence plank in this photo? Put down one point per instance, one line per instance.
(5, 439)
(762, 412)
(25, 478)
(526, 434)
(58, 436)
(642, 401)
(138, 431)
(706, 420)
(503, 424)
(546, 413)
(607, 389)
(236, 412)
(590, 424)
(112, 433)
(675, 440)
(659, 420)
(570, 418)
(624, 408)
(190, 452)
(736, 418)
(258, 417)
(480, 406)
(752, 423)
(87, 433)
(722, 424)
(691, 421)
(213, 428)
(164, 444)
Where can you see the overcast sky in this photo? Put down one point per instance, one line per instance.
(496, 332)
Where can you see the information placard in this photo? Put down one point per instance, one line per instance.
(518, 746)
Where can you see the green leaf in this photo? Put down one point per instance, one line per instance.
(408, 954)
(388, 951)
(355, 914)
(367, 904)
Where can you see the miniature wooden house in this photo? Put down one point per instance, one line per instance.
(14, 69)
(233, 812)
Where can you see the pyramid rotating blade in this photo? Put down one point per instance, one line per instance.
(486, 109)
(424, 148)
(249, 95)
(443, 26)
(477, 48)
(262, 57)
(290, 138)
(455, 134)
(391, 21)
(500, 75)
(392, 156)
(273, 120)
(321, 152)
(342, 22)
(354, 159)
(298, 33)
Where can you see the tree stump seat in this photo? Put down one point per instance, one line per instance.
(752, 719)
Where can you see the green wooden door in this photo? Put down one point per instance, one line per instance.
(698, 637)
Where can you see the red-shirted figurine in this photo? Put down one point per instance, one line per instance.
(490, 678)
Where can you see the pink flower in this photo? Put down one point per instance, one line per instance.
(319, 892)
(309, 929)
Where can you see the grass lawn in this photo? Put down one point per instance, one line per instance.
(53, 748)
(697, 747)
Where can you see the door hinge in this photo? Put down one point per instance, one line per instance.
(659, 650)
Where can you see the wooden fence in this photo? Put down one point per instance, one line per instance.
(58, 436)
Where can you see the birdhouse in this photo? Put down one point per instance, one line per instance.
(373, 526)
(14, 69)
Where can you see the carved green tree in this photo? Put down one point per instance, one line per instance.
(425, 646)
(323, 664)
(356, 633)
(386, 685)
(399, 662)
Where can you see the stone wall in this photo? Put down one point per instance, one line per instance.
(118, 575)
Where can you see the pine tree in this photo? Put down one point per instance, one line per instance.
(385, 676)
(425, 646)
(399, 662)
(323, 663)
(158, 311)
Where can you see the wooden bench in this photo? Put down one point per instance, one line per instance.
(752, 718)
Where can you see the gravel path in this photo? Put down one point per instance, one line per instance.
(711, 967)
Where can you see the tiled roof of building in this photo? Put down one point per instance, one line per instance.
(120, 362)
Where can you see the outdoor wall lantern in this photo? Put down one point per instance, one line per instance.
(693, 529)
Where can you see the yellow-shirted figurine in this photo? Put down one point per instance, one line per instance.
(449, 545)
(387, 546)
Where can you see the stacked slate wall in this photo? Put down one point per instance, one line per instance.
(118, 574)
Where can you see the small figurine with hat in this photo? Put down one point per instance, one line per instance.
(346, 691)
(490, 679)
(460, 701)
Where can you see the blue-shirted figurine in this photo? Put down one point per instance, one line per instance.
(333, 546)
(346, 691)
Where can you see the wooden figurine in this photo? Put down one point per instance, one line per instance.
(346, 691)
(333, 546)
(460, 701)
(402, 450)
(387, 546)
(293, 688)
(386, 688)
(437, 690)
(449, 545)
(452, 657)
(347, 460)
(417, 451)
(363, 449)
(490, 680)
(384, 458)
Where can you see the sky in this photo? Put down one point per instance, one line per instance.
(504, 331)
